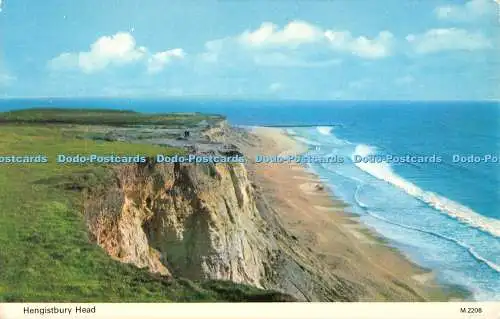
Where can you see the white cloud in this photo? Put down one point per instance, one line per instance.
(375, 48)
(1, 5)
(64, 61)
(158, 61)
(116, 50)
(298, 33)
(293, 34)
(298, 43)
(452, 39)
(285, 59)
(275, 87)
(470, 11)
(6, 79)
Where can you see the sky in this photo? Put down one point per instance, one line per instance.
(272, 49)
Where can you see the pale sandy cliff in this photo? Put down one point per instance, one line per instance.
(211, 221)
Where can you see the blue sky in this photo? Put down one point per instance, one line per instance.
(273, 49)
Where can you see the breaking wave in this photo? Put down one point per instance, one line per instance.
(325, 130)
(466, 247)
(384, 172)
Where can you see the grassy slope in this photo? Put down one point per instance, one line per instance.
(102, 117)
(45, 253)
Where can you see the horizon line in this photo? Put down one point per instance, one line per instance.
(227, 98)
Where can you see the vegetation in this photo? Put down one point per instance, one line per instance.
(46, 254)
(103, 117)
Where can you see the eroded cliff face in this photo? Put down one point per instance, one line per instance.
(219, 132)
(210, 221)
(194, 221)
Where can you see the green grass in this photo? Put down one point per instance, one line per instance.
(45, 250)
(103, 117)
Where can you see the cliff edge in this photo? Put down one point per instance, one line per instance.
(193, 221)
(211, 221)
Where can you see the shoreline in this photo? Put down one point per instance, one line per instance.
(313, 213)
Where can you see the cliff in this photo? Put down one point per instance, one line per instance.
(211, 221)
(194, 221)
(198, 222)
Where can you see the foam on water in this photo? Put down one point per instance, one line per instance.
(384, 172)
(469, 249)
(306, 141)
(420, 223)
(325, 130)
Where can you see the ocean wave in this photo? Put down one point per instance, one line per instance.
(356, 197)
(332, 139)
(384, 172)
(325, 130)
(306, 141)
(466, 247)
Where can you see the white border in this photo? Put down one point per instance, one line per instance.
(380, 310)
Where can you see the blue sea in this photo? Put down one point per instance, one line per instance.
(444, 216)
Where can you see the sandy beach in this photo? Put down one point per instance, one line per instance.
(335, 238)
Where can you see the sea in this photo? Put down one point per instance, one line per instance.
(443, 214)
